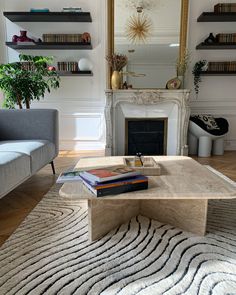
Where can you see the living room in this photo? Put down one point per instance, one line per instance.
(150, 83)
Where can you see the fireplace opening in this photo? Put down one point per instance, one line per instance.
(146, 136)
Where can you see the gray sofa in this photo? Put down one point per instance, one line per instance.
(28, 141)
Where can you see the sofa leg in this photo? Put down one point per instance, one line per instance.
(53, 168)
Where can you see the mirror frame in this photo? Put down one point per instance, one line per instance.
(111, 32)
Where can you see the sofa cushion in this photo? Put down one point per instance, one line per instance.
(41, 151)
(14, 168)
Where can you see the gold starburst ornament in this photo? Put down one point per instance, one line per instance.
(138, 28)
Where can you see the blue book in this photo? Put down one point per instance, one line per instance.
(115, 187)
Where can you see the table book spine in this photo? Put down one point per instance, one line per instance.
(129, 187)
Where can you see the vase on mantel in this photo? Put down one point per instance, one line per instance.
(115, 80)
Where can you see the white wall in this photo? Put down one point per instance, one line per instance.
(217, 93)
(80, 100)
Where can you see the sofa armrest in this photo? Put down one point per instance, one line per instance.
(30, 124)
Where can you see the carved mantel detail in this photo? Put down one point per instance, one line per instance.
(147, 97)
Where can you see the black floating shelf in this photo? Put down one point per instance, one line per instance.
(48, 16)
(218, 73)
(215, 46)
(217, 17)
(50, 45)
(79, 73)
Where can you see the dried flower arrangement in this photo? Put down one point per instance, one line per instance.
(182, 65)
(117, 61)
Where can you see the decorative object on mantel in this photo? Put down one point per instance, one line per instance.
(22, 38)
(117, 62)
(149, 167)
(22, 84)
(197, 70)
(174, 83)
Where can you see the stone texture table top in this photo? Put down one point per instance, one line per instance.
(181, 178)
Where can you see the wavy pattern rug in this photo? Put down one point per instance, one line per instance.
(50, 254)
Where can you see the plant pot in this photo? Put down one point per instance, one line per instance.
(115, 80)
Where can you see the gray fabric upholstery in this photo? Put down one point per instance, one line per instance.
(41, 152)
(14, 169)
(28, 141)
(29, 124)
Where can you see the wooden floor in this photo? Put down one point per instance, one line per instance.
(15, 206)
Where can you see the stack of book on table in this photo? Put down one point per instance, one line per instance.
(116, 180)
(108, 180)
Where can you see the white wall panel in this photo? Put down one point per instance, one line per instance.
(79, 100)
(217, 93)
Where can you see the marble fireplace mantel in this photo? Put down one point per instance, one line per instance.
(147, 103)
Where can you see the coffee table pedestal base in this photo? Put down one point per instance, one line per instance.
(104, 215)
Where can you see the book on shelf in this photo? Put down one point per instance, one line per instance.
(119, 186)
(69, 176)
(224, 66)
(226, 38)
(225, 7)
(59, 38)
(69, 66)
(108, 173)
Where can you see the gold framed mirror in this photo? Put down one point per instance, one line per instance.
(182, 38)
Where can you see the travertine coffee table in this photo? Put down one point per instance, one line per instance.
(178, 197)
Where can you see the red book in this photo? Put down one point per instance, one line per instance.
(107, 174)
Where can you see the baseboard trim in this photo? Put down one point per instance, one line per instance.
(81, 146)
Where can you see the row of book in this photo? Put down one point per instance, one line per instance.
(107, 181)
(225, 7)
(28, 66)
(226, 38)
(59, 38)
(68, 66)
(224, 66)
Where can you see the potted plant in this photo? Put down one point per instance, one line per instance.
(27, 80)
(197, 70)
(116, 62)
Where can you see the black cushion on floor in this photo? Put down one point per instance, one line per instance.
(221, 122)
